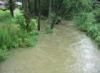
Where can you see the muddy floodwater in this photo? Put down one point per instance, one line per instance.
(66, 50)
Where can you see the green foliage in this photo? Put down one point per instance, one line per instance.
(86, 22)
(55, 18)
(19, 19)
(97, 14)
(33, 24)
(3, 54)
(63, 8)
(10, 37)
(79, 4)
(93, 31)
(5, 17)
(30, 39)
(13, 35)
(97, 39)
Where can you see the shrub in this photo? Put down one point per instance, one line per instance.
(13, 35)
(19, 19)
(33, 24)
(87, 22)
(97, 14)
(30, 39)
(3, 54)
(84, 20)
(93, 31)
(97, 39)
(5, 17)
(9, 36)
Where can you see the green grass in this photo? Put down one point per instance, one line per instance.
(87, 22)
(12, 36)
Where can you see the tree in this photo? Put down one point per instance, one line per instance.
(35, 7)
(26, 13)
(39, 14)
(50, 14)
(11, 7)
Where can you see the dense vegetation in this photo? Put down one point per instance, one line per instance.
(17, 30)
(13, 33)
(89, 21)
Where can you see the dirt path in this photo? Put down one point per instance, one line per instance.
(67, 50)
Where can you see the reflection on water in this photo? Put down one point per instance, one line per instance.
(67, 50)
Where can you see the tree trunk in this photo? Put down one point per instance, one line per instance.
(26, 13)
(11, 7)
(35, 7)
(50, 14)
(39, 15)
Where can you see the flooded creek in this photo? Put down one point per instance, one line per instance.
(66, 50)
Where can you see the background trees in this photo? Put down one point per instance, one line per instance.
(54, 10)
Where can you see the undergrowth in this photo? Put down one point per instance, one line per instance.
(87, 22)
(12, 34)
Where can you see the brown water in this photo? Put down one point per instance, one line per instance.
(66, 50)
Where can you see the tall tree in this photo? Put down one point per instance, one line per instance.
(35, 7)
(26, 13)
(11, 7)
(39, 14)
(50, 14)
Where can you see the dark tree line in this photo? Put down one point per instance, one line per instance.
(51, 9)
(37, 11)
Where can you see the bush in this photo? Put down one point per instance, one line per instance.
(13, 35)
(97, 11)
(93, 31)
(30, 39)
(86, 22)
(33, 25)
(5, 17)
(8, 36)
(97, 39)
(3, 54)
(19, 19)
